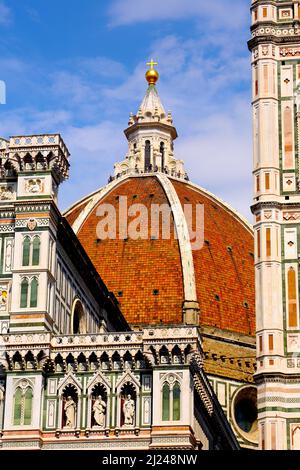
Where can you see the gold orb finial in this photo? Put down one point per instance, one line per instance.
(152, 74)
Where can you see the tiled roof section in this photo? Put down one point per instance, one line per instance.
(224, 267)
(145, 275)
(72, 215)
(133, 270)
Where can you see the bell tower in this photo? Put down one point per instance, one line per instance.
(275, 49)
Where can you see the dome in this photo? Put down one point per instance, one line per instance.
(153, 277)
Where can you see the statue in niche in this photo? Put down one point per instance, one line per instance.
(41, 165)
(70, 411)
(99, 410)
(129, 411)
(34, 186)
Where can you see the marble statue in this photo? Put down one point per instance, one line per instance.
(70, 411)
(99, 410)
(129, 411)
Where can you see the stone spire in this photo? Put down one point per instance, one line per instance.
(150, 134)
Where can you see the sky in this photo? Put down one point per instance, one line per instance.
(77, 67)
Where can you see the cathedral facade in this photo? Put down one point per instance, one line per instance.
(120, 333)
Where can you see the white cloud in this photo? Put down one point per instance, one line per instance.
(30, 121)
(204, 81)
(5, 14)
(219, 13)
(218, 157)
(71, 86)
(99, 66)
(210, 100)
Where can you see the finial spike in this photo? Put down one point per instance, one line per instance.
(151, 64)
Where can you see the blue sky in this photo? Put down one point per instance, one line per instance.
(77, 67)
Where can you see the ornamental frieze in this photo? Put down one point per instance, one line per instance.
(290, 216)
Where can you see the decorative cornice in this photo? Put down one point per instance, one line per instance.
(279, 377)
(151, 125)
(265, 37)
(274, 205)
(39, 221)
(5, 228)
(23, 206)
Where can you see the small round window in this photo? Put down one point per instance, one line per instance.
(245, 413)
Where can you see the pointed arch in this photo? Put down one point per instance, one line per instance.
(34, 292)
(9, 168)
(69, 386)
(24, 292)
(147, 155)
(176, 401)
(28, 405)
(78, 318)
(288, 137)
(166, 402)
(128, 385)
(17, 406)
(69, 379)
(28, 162)
(41, 162)
(162, 153)
(98, 377)
(26, 251)
(171, 396)
(98, 386)
(127, 377)
(22, 403)
(292, 298)
(36, 244)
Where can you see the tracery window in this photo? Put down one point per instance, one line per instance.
(166, 402)
(292, 298)
(29, 292)
(23, 406)
(31, 251)
(171, 401)
(33, 292)
(36, 251)
(162, 152)
(26, 251)
(24, 293)
(176, 402)
(79, 320)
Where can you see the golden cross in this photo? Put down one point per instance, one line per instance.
(151, 64)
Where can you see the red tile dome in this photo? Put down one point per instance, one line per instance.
(147, 275)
